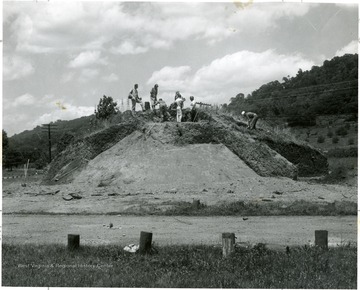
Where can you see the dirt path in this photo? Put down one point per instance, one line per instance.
(93, 229)
(131, 199)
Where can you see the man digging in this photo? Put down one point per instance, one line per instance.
(163, 110)
(252, 118)
(153, 96)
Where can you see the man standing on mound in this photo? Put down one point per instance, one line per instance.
(134, 97)
(153, 96)
(179, 100)
(252, 118)
(193, 112)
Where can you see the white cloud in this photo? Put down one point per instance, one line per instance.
(264, 16)
(88, 74)
(47, 27)
(111, 78)
(16, 67)
(225, 77)
(133, 28)
(127, 47)
(24, 100)
(67, 77)
(351, 48)
(171, 78)
(249, 69)
(71, 112)
(20, 101)
(87, 58)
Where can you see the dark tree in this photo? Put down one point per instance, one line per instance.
(106, 108)
(5, 141)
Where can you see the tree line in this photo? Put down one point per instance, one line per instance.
(330, 89)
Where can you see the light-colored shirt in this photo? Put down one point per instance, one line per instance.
(161, 103)
(179, 103)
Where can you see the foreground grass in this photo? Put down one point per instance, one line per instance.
(178, 267)
(237, 208)
(268, 208)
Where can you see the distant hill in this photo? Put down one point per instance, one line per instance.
(34, 144)
(330, 89)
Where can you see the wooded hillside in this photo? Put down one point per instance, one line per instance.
(330, 89)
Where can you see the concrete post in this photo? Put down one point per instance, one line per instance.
(321, 239)
(145, 242)
(196, 203)
(228, 244)
(73, 241)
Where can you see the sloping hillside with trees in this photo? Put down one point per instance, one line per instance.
(330, 89)
(34, 144)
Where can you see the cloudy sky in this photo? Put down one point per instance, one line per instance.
(61, 57)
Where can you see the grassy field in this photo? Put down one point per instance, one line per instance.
(241, 208)
(178, 267)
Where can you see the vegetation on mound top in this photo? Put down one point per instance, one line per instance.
(179, 267)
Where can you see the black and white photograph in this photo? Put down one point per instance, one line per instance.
(180, 144)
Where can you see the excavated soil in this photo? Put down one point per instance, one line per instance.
(140, 145)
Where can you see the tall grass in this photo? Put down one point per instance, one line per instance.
(179, 267)
(341, 170)
(264, 208)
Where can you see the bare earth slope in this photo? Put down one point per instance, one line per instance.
(149, 162)
(152, 142)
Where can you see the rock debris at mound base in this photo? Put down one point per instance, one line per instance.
(138, 150)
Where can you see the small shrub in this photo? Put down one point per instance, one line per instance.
(352, 118)
(341, 131)
(351, 141)
(335, 140)
(40, 163)
(330, 134)
(337, 174)
(343, 152)
(321, 139)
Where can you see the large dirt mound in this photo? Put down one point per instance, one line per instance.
(146, 161)
(140, 149)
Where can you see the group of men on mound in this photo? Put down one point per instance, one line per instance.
(164, 113)
(252, 118)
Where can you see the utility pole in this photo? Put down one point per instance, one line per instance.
(49, 128)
